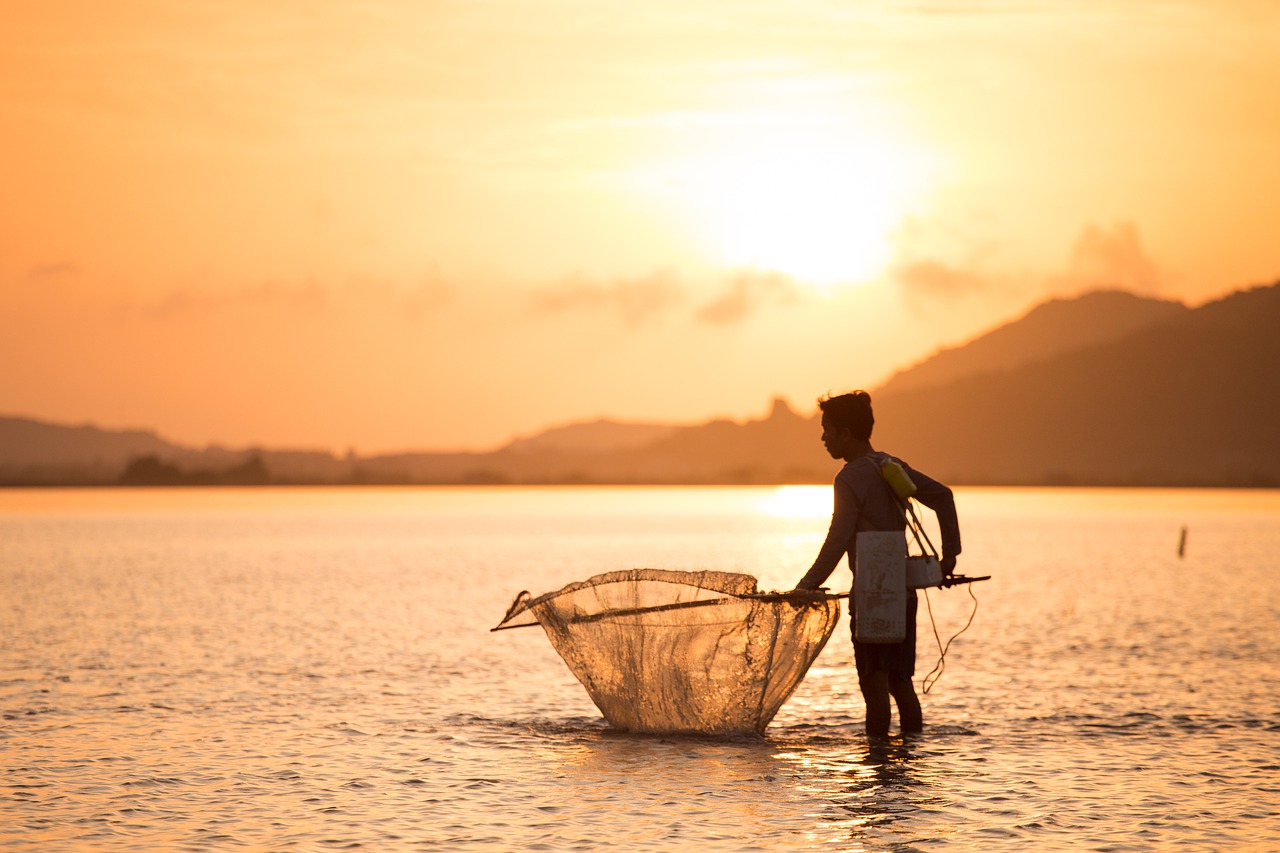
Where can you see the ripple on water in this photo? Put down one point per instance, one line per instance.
(227, 680)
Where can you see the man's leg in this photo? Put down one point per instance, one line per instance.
(875, 694)
(909, 714)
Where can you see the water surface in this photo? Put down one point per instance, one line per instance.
(280, 669)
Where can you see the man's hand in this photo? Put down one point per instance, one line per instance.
(948, 566)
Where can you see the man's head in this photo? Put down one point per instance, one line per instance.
(851, 412)
(846, 419)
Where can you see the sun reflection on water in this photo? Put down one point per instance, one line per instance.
(797, 502)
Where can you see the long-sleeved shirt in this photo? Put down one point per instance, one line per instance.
(864, 501)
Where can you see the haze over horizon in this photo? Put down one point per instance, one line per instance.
(386, 226)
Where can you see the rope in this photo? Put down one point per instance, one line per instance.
(928, 682)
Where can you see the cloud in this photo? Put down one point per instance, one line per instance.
(49, 275)
(748, 292)
(933, 280)
(944, 264)
(942, 261)
(1111, 258)
(427, 296)
(308, 297)
(637, 300)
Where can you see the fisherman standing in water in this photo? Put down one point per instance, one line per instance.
(865, 502)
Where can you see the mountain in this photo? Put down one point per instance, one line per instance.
(1105, 389)
(36, 451)
(1187, 401)
(1050, 329)
(598, 436)
(780, 448)
(783, 447)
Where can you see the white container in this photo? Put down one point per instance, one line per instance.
(880, 586)
(923, 572)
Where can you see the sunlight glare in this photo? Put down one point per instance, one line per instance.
(815, 202)
(797, 502)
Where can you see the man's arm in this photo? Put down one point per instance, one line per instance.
(941, 500)
(844, 526)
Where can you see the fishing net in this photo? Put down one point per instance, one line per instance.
(682, 652)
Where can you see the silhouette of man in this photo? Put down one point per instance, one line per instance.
(864, 501)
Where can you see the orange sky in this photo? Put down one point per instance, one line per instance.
(389, 225)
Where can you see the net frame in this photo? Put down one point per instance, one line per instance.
(679, 652)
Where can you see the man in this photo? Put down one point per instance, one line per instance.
(864, 501)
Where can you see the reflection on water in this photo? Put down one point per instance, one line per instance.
(312, 669)
(878, 789)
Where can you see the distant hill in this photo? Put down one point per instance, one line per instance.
(780, 448)
(783, 447)
(35, 451)
(598, 436)
(1105, 389)
(1050, 329)
(38, 453)
(25, 440)
(1187, 401)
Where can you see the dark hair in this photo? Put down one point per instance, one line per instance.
(850, 411)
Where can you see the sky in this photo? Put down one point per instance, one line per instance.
(425, 224)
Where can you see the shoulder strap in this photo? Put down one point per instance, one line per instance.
(908, 512)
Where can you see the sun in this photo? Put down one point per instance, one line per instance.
(814, 201)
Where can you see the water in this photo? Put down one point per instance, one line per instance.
(312, 669)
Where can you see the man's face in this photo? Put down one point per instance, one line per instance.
(835, 438)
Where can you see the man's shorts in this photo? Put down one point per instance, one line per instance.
(897, 659)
